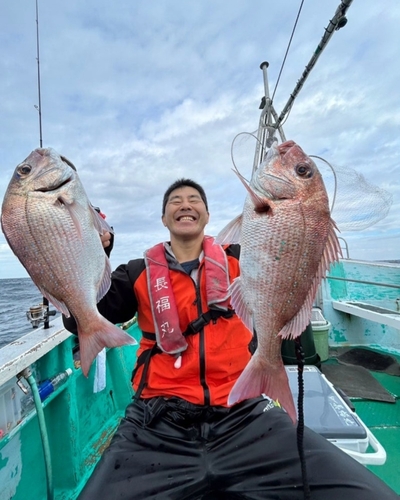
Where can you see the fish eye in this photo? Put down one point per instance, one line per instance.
(304, 170)
(24, 170)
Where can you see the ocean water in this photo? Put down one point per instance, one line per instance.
(16, 297)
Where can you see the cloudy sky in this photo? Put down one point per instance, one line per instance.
(137, 93)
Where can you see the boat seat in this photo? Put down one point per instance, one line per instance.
(368, 311)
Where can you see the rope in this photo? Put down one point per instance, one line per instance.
(300, 425)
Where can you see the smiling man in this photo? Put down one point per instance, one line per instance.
(185, 214)
(179, 439)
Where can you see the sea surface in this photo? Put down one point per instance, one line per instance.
(16, 297)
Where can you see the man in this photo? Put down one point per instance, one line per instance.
(179, 440)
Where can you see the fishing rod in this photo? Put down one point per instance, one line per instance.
(39, 107)
(37, 314)
(270, 122)
(338, 21)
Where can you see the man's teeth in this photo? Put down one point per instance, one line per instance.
(186, 218)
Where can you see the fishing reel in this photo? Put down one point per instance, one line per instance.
(39, 313)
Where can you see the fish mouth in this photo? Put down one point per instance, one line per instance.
(54, 187)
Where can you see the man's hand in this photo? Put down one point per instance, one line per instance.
(105, 239)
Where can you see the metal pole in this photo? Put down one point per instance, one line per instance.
(267, 123)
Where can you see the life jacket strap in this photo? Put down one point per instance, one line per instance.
(144, 359)
(197, 324)
(204, 319)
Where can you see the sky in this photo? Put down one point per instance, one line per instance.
(138, 93)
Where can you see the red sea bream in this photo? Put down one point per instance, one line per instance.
(52, 228)
(288, 241)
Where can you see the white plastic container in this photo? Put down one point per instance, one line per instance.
(320, 327)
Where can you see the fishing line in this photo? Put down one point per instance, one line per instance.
(287, 51)
(334, 175)
(251, 134)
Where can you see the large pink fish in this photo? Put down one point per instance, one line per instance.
(54, 231)
(288, 241)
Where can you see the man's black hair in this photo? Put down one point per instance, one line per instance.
(181, 183)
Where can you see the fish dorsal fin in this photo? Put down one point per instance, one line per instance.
(105, 281)
(231, 233)
(331, 254)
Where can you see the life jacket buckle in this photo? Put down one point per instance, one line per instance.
(196, 325)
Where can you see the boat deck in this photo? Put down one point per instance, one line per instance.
(383, 419)
(89, 419)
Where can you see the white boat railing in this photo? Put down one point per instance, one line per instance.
(21, 353)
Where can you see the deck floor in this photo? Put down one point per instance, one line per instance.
(383, 419)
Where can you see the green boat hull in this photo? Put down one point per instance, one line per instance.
(79, 423)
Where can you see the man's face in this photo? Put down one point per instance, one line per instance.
(185, 213)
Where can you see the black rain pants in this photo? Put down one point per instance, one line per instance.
(174, 450)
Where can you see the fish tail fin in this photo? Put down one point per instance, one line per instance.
(261, 378)
(102, 334)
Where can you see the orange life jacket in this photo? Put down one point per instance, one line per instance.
(214, 357)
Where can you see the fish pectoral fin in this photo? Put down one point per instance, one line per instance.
(99, 223)
(76, 212)
(58, 304)
(231, 232)
(238, 301)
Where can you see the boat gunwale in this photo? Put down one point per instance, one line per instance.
(25, 351)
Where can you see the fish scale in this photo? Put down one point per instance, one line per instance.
(288, 241)
(54, 231)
